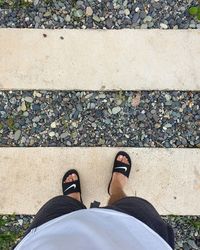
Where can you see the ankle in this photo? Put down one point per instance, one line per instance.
(116, 189)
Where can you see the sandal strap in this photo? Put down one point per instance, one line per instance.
(71, 187)
(122, 168)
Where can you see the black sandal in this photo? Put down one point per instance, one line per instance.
(121, 167)
(73, 186)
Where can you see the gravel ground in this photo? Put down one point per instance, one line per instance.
(119, 118)
(99, 14)
(186, 229)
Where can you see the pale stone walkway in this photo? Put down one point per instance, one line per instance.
(95, 60)
(169, 178)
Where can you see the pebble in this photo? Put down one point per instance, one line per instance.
(53, 125)
(141, 117)
(148, 19)
(23, 106)
(20, 221)
(51, 134)
(127, 12)
(37, 19)
(68, 18)
(89, 11)
(116, 110)
(37, 94)
(28, 99)
(144, 26)
(163, 26)
(96, 18)
(63, 135)
(47, 14)
(17, 135)
(78, 13)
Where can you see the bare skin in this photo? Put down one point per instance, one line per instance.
(116, 187)
(118, 183)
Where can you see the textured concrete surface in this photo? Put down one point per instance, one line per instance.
(94, 60)
(169, 178)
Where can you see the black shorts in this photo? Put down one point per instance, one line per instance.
(133, 206)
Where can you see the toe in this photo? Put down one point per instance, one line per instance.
(74, 177)
(125, 160)
(120, 158)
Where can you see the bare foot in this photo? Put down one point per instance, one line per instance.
(75, 195)
(118, 179)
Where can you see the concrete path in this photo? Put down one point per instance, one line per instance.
(97, 59)
(169, 178)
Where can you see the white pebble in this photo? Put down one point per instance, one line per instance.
(36, 94)
(127, 12)
(53, 125)
(137, 9)
(51, 134)
(163, 26)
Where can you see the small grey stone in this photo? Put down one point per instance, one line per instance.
(36, 2)
(116, 110)
(37, 19)
(28, 99)
(147, 19)
(109, 23)
(142, 14)
(55, 17)
(78, 13)
(144, 26)
(102, 96)
(193, 244)
(68, 18)
(135, 18)
(20, 221)
(141, 117)
(69, 143)
(25, 114)
(167, 97)
(96, 18)
(64, 135)
(47, 14)
(168, 103)
(36, 119)
(168, 125)
(17, 135)
(92, 105)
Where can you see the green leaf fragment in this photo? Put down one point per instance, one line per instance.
(193, 11)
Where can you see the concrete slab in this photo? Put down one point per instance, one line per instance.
(169, 178)
(95, 60)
